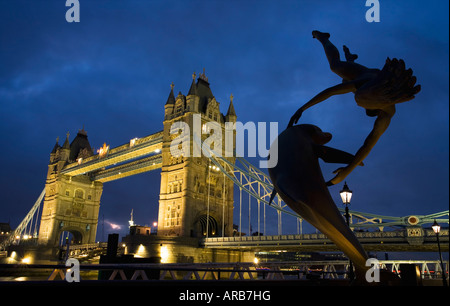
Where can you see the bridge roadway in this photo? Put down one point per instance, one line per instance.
(138, 156)
(389, 241)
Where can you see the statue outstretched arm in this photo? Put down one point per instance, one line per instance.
(339, 89)
(332, 155)
(381, 124)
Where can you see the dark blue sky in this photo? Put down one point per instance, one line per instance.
(111, 73)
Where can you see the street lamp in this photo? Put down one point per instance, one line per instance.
(155, 226)
(346, 196)
(437, 228)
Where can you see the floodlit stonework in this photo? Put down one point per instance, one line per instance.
(192, 188)
(71, 203)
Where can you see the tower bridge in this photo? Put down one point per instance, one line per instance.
(138, 156)
(196, 200)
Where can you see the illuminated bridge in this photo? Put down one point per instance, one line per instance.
(197, 197)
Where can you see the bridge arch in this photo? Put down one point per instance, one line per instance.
(206, 226)
(74, 235)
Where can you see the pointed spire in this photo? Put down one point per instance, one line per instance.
(56, 147)
(66, 144)
(203, 76)
(231, 111)
(82, 131)
(193, 89)
(171, 98)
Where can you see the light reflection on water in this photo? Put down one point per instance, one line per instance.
(20, 278)
(88, 275)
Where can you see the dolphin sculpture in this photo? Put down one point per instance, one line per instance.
(298, 179)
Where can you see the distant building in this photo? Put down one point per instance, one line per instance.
(140, 230)
(5, 230)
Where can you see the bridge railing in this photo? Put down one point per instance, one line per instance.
(319, 236)
(300, 270)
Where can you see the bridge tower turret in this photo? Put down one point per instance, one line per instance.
(71, 204)
(196, 199)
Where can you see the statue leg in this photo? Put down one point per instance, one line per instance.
(347, 70)
(332, 53)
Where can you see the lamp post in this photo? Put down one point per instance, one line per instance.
(346, 196)
(155, 227)
(437, 228)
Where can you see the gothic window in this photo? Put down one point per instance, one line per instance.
(179, 108)
(173, 215)
(201, 189)
(79, 194)
(179, 104)
(67, 193)
(168, 216)
(219, 193)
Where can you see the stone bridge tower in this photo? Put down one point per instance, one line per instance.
(71, 204)
(195, 197)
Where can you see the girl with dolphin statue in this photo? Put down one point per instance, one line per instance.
(297, 177)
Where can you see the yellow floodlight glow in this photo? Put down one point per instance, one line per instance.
(26, 260)
(164, 254)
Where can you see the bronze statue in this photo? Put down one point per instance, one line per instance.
(375, 90)
(298, 180)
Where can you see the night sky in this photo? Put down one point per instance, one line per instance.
(111, 73)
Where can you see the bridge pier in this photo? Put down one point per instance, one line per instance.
(171, 249)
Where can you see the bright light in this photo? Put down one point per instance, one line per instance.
(164, 254)
(103, 150)
(346, 194)
(26, 260)
(436, 227)
(140, 251)
(255, 260)
(155, 224)
(158, 151)
(133, 142)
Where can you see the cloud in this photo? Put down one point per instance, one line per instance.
(111, 73)
(114, 226)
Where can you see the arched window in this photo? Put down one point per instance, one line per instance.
(79, 194)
